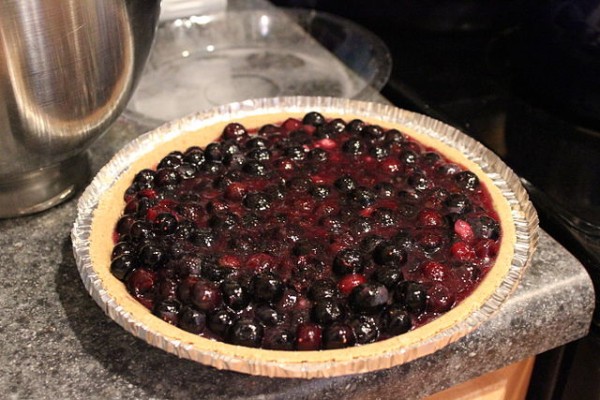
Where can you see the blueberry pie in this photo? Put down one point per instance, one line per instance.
(288, 236)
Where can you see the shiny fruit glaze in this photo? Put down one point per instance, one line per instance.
(304, 235)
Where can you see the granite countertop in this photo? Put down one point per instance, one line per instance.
(57, 343)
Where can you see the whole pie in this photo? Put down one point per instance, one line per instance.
(301, 243)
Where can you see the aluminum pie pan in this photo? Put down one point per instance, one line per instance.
(325, 363)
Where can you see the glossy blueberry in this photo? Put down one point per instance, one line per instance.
(257, 201)
(355, 126)
(165, 224)
(353, 146)
(268, 315)
(397, 320)
(338, 336)
(192, 320)
(345, 184)
(348, 261)
(411, 295)
(313, 118)
(323, 289)
(365, 329)
(278, 338)
(267, 287)
(254, 168)
(368, 298)
(388, 275)
(121, 266)
(220, 321)
(234, 294)
(387, 253)
(362, 197)
(327, 311)
(168, 311)
(246, 333)
(467, 180)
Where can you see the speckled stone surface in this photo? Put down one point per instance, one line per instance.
(57, 343)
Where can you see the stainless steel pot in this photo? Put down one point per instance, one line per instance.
(67, 70)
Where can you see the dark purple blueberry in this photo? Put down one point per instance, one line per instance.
(313, 118)
(192, 320)
(220, 321)
(387, 253)
(327, 311)
(379, 152)
(418, 181)
(318, 155)
(300, 185)
(187, 265)
(122, 248)
(394, 136)
(124, 225)
(486, 228)
(412, 296)
(384, 189)
(345, 184)
(467, 180)
(365, 329)
(234, 161)
(296, 153)
(186, 171)
(361, 197)
(167, 177)
(257, 142)
(141, 231)
(212, 168)
(165, 224)
(211, 270)
(448, 169)
(205, 295)
(362, 225)
(194, 156)
(203, 237)
(320, 192)
(170, 161)
(145, 179)
(257, 201)
(267, 287)
(152, 256)
(168, 311)
(323, 289)
(408, 157)
(355, 126)
(185, 230)
(384, 216)
(234, 131)
(353, 146)
(234, 294)
(267, 315)
(373, 132)
(254, 168)
(397, 320)
(213, 152)
(121, 266)
(348, 261)
(229, 147)
(259, 154)
(246, 333)
(458, 203)
(368, 298)
(278, 338)
(388, 275)
(336, 125)
(338, 336)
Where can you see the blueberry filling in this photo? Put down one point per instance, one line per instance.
(310, 234)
